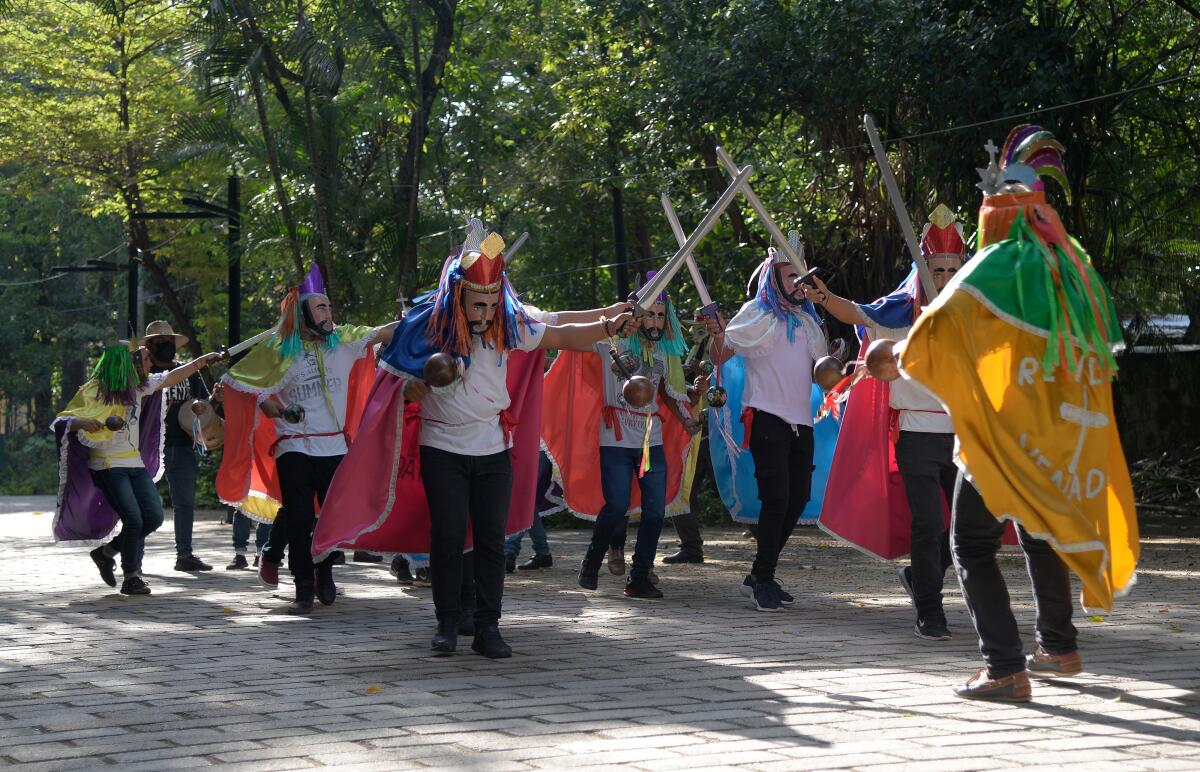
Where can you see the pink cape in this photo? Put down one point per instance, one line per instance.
(376, 501)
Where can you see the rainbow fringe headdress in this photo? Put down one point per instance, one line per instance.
(291, 316)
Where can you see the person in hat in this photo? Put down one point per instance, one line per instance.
(439, 468)
(109, 460)
(179, 456)
(779, 336)
(596, 426)
(310, 379)
(918, 427)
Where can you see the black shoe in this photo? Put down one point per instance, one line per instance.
(106, 565)
(536, 562)
(641, 587)
(326, 589)
(256, 561)
(300, 606)
(191, 563)
(399, 569)
(466, 624)
(933, 629)
(421, 578)
(906, 583)
(239, 563)
(133, 585)
(683, 557)
(445, 640)
(367, 557)
(510, 563)
(489, 643)
(589, 577)
(338, 558)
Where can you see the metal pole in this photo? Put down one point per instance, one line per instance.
(233, 242)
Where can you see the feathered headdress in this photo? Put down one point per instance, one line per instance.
(477, 265)
(291, 315)
(117, 377)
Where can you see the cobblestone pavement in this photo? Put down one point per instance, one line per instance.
(208, 671)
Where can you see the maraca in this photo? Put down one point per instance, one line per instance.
(827, 372)
(623, 365)
(114, 423)
(293, 413)
(717, 396)
(440, 370)
(638, 391)
(707, 368)
(881, 360)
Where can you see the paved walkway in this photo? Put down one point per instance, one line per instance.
(208, 671)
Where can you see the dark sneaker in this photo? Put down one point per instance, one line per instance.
(300, 607)
(256, 561)
(589, 577)
(642, 588)
(268, 573)
(489, 643)
(106, 565)
(422, 577)
(133, 585)
(191, 563)
(326, 589)
(239, 563)
(683, 557)
(445, 640)
(1010, 688)
(932, 629)
(367, 557)
(1043, 664)
(616, 561)
(510, 563)
(536, 562)
(747, 588)
(399, 569)
(785, 597)
(766, 597)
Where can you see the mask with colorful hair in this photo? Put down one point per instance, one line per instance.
(296, 315)
(118, 375)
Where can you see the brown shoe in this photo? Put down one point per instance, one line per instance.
(1043, 664)
(1009, 688)
(616, 560)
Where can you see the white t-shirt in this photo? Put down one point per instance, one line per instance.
(920, 411)
(778, 371)
(465, 417)
(302, 386)
(631, 419)
(123, 451)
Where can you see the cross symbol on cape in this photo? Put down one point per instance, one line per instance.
(1087, 419)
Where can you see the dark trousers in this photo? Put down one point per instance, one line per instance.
(618, 467)
(182, 469)
(975, 540)
(277, 538)
(926, 462)
(301, 478)
(783, 467)
(461, 488)
(241, 534)
(131, 492)
(687, 526)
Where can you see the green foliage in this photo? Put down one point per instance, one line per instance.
(30, 467)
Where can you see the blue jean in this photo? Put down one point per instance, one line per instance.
(241, 534)
(537, 537)
(131, 492)
(182, 470)
(618, 467)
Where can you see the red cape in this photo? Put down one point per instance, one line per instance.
(247, 479)
(376, 501)
(571, 433)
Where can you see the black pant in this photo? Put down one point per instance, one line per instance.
(687, 526)
(975, 540)
(277, 541)
(461, 488)
(783, 467)
(926, 462)
(301, 478)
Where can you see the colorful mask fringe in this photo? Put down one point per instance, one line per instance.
(770, 298)
(672, 342)
(117, 378)
(291, 320)
(448, 329)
